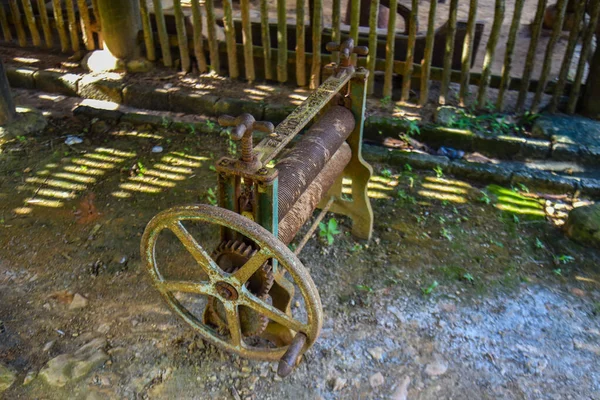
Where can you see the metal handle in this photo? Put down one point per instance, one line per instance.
(290, 358)
(244, 126)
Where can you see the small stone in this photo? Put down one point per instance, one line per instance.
(157, 149)
(338, 384)
(7, 377)
(78, 302)
(401, 392)
(437, 367)
(104, 328)
(376, 353)
(583, 225)
(29, 378)
(48, 346)
(72, 140)
(578, 292)
(376, 380)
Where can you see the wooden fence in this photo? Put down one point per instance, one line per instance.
(256, 41)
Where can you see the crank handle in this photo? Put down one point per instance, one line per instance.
(291, 356)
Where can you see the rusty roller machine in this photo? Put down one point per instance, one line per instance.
(250, 277)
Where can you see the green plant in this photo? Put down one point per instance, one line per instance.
(211, 196)
(21, 139)
(386, 173)
(468, 277)
(356, 247)
(165, 122)
(408, 168)
(429, 289)
(563, 259)
(485, 198)
(365, 288)
(329, 230)
(385, 101)
(539, 244)
(557, 271)
(402, 195)
(438, 171)
(413, 127)
(141, 169)
(210, 124)
(446, 234)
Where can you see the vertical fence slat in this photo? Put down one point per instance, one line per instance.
(300, 46)
(234, 71)
(467, 53)
(266, 39)
(410, 51)
(426, 64)
(96, 15)
(390, 45)
(568, 58)
(247, 41)
(336, 18)
(508, 56)
(197, 32)
(490, 51)
(59, 20)
(45, 23)
(18, 22)
(561, 7)
(182, 40)
(163, 37)
(536, 28)
(31, 23)
(213, 46)
(282, 75)
(449, 52)
(354, 24)
(317, 23)
(372, 56)
(84, 15)
(585, 52)
(147, 28)
(73, 31)
(5, 27)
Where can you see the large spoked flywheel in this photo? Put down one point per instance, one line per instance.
(238, 285)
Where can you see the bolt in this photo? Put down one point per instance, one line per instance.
(263, 171)
(224, 162)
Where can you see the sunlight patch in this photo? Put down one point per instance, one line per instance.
(442, 196)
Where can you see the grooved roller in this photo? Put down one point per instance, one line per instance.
(306, 160)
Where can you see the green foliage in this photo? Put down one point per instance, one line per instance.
(141, 169)
(439, 172)
(429, 289)
(485, 198)
(356, 247)
(468, 277)
(446, 234)
(563, 259)
(385, 101)
(329, 230)
(364, 288)
(408, 168)
(413, 128)
(404, 197)
(539, 244)
(489, 122)
(211, 196)
(210, 124)
(386, 173)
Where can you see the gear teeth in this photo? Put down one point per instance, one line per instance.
(248, 252)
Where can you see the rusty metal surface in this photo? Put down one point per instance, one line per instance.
(230, 288)
(291, 356)
(270, 146)
(304, 162)
(346, 50)
(304, 207)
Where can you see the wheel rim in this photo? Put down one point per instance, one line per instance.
(230, 289)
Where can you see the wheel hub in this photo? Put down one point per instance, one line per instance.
(226, 291)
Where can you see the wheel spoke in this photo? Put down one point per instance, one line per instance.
(272, 313)
(233, 323)
(199, 254)
(252, 265)
(188, 287)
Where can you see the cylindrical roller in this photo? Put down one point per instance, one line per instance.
(306, 160)
(306, 204)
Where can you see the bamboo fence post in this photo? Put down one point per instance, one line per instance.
(410, 51)
(389, 51)
(213, 46)
(247, 41)
(234, 71)
(266, 39)
(73, 31)
(45, 23)
(86, 25)
(508, 56)
(317, 23)
(372, 56)
(336, 19)
(5, 27)
(197, 32)
(282, 74)
(568, 58)
(161, 27)
(96, 15)
(426, 64)
(490, 51)
(561, 6)
(354, 24)
(467, 53)
(60, 26)
(300, 45)
(16, 17)
(31, 23)
(182, 40)
(536, 28)
(583, 58)
(148, 34)
(447, 73)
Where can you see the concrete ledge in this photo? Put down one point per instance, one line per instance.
(107, 88)
(146, 97)
(56, 82)
(21, 77)
(189, 102)
(235, 107)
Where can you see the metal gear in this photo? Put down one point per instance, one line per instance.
(230, 256)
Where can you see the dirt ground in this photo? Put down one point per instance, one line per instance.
(452, 298)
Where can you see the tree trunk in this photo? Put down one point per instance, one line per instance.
(590, 101)
(120, 20)
(7, 106)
